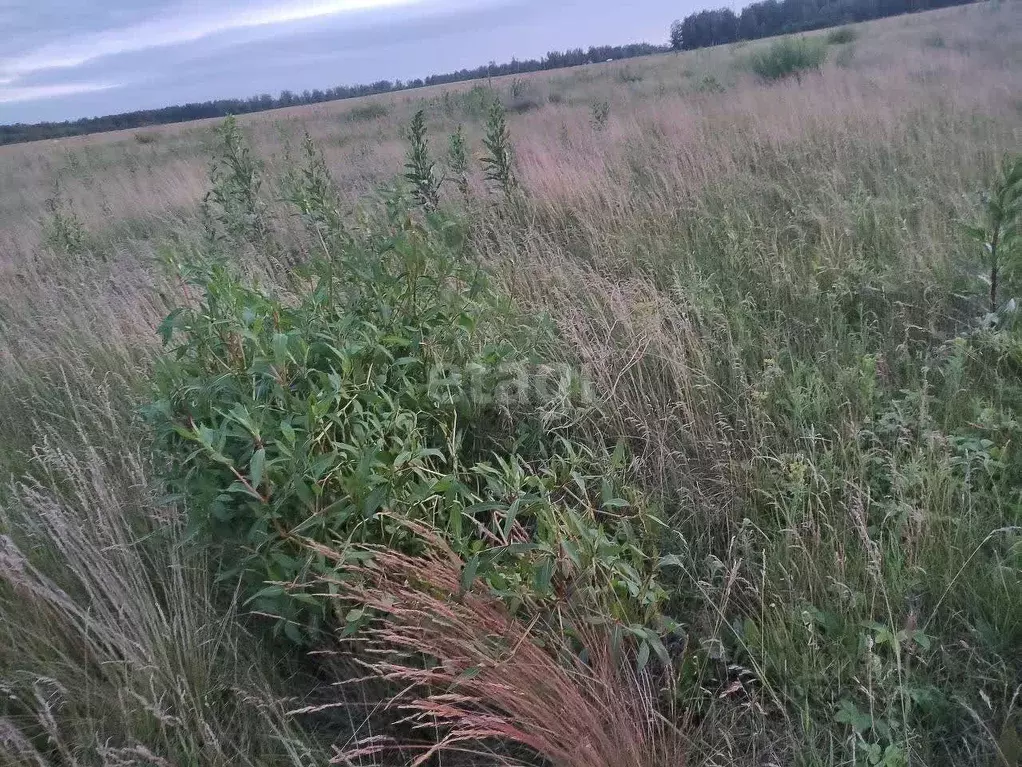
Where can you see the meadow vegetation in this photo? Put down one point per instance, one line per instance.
(671, 419)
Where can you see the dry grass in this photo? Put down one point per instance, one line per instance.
(500, 679)
(116, 647)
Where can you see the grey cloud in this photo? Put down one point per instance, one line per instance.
(27, 25)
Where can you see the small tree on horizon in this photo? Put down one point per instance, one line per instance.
(676, 34)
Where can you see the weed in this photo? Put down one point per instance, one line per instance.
(774, 307)
(1000, 233)
(457, 160)
(710, 84)
(372, 110)
(599, 115)
(516, 89)
(523, 105)
(64, 230)
(309, 187)
(789, 57)
(420, 169)
(842, 36)
(233, 207)
(474, 103)
(498, 162)
(627, 76)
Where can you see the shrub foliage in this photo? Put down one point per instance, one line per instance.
(792, 56)
(389, 394)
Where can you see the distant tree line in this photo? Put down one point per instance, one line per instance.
(778, 17)
(11, 134)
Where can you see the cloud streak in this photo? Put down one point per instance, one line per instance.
(163, 32)
(10, 95)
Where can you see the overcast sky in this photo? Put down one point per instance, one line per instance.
(62, 59)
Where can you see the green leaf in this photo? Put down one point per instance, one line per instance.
(643, 656)
(975, 232)
(256, 467)
(848, 713)
(292, 632)
(272, 590)
(478, 508)
(243, 489)
(288, 432)
(509, 519)
(571, 551)
(169, 325)
(543, 575)
(470, 673)
(616, 503)
(374, 501)
(454, 522)
(281, 355)
(468, 573)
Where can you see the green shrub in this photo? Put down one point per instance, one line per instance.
(521, 97)
(842, 35)
(473, 104)
(63, 229)
(1000, 231)
(787, 57)
(627, 76)
(420, 169)
(374, 110)
(397, 397)
(457, 160)
(710, 84)
(499, 160)
(522, 105)
(234, 209)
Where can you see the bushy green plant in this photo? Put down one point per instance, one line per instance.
(792, 56)
(396, 397)
(64, 229)
(498, 162)
(233, 208)
(420, 169)
(457, 160)
(599, 115)
(517, 89)
(1000, 233)
(373, 110)
(710, 84)
(842, 35)
(309, 187)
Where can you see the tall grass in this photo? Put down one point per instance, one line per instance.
(117, 649)
(783, 319)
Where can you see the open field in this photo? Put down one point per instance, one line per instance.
(770, 289)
